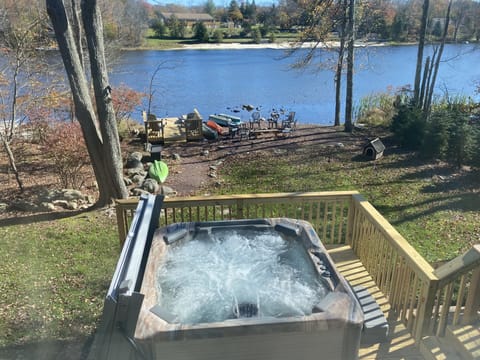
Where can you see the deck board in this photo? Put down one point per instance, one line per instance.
(400, 344)
(173, 131)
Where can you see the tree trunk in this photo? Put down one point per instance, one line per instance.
(92, 22)
(338, 81)
(350, 62)
(421, 46)
(13, 165)
(103, 152)
(429, 96)
(339, 69)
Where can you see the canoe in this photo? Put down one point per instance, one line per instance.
(209, 133)
(158, 171)
(225, 120)
(235, 119)
(219, 129)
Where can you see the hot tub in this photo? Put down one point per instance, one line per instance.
(243, 289)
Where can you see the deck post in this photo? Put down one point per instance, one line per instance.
(472, 305)
(351, 219)
(122, 224)
(425, 308)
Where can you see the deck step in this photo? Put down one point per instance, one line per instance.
(375, 326)
(465, 340)
(434, 348)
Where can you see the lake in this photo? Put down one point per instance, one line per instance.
(221, 81)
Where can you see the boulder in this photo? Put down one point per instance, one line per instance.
(134, 160)
(151, 186)
(168, 191)
(138, 192)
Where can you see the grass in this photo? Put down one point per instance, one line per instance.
(54, 277)
(55, 274)
(435, 207)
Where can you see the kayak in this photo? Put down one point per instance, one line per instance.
(158, 171)
(209, 133)
(219, 129)
(226, 120)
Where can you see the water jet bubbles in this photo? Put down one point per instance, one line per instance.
(256, 273)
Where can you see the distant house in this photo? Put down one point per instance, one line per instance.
(190, 18)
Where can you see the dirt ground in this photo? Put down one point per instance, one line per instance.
(193, 165)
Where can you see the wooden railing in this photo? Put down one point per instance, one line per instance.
(426, 300)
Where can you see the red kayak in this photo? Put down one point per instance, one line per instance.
(220, 129)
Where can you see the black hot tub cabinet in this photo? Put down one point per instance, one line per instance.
(136, 325)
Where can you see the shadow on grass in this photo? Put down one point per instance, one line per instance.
(41, 217)
(461, 202)
(77, 349)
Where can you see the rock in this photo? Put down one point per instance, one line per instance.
(176, 157)
(3, 207)
(61, 203)
(27, 206)
(205, 152)
(138, 179)
(168, 191)
(138, 192)
(151, 186)
(213, 175)
(135, 171)
(127, 181)
(339, 145)
(70, 194)
(213, 167)
(48, 206)
(134, 160)
(90, 199)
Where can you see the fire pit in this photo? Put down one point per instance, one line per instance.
(242, 289)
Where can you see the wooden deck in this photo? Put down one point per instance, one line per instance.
(438, 310)
(400, 344)
(173, 131)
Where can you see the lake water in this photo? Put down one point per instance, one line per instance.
(221, 81)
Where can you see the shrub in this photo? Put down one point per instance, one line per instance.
(65, 146)
(256, 36)
(376, 109)
(450, 135)
(408, 126)
(218, 36)
(201, 32)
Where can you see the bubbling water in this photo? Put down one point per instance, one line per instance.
(208, 278)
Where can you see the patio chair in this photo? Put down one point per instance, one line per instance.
(273, 120)
(290, 122)
(256, 119)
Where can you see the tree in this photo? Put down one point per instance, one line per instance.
(201, 32)
(177, 28)
(234, 13)
(209, 7)
(16, 79)
(421, 46)
(320, 17)
(350, 61)
(99, 127)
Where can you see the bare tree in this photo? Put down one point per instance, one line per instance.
(99, 127)
(321, 17)
(421, 46)
(20, 41)
(350, 62)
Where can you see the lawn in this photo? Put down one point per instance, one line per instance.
(54, 277)
(55, 274)
(434, 206)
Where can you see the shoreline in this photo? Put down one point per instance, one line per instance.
(250, 46)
